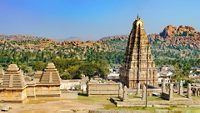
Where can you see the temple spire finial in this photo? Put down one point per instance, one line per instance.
(138, 17)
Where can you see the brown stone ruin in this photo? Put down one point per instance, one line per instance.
(195, 89)
(168, 91)
(15, 89)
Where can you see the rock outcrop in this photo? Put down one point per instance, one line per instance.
(186, 29)
(180, 31)
(168, 31)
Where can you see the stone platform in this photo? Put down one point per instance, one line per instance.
(156, 103)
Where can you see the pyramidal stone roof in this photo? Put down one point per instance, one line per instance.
(13, 78)
(50, 76)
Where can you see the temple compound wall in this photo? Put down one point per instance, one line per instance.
(110, 88)
(15, 89)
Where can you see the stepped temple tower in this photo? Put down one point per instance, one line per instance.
(138, 63)
(13, 87)
(50, 75)
(49, 82)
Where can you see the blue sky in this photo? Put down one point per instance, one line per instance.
(93, 19)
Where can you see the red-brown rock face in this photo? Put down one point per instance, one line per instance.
(168, 31)
(180, 31)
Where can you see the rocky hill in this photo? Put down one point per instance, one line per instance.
(170, 36)
(178, 31)
(185, 36)
(19, 37)
(171, 43)
(116, 37)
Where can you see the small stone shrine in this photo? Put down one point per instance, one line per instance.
(13, 88)
(49, 83)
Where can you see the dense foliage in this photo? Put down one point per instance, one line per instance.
(73, 61)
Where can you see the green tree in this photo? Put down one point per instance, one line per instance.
(66, 75)
(74, 72)
(26, 68)
(38, 65)
(102, 68)
(88, 69)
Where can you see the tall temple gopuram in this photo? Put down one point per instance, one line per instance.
(138, 59)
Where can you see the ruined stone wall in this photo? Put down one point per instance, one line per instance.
(71, 84)
(103, 88)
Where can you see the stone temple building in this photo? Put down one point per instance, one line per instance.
(15, 89)
(138, 61)
(14, 86)
(49, 81)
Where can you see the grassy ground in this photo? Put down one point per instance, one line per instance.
(101, 103)
(110, 106)
(102, 100)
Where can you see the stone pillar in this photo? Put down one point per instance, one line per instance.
(163, 86)
(189, 92)
(120, 91)
(180, 90)
(125, 94)
(138, 89)
(144, 92)
(171, 91)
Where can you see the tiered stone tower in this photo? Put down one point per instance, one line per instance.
(13, 78)
(49, 83)
(50, 75)
(138, 59)
(14, 86)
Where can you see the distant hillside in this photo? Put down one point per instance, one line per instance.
(19, 37)
(170, 36)
(172, 43)
(182, 43)
(116, 37)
